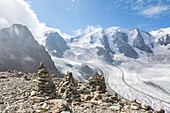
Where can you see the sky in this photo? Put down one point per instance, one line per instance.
(74, 16)
(71, 15)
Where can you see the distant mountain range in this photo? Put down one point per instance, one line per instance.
(19, 50)
(163, 36)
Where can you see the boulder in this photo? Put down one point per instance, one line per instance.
(159, 111)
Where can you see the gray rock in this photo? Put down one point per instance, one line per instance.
(55, 44)
(20, 51)
(164, 40)
(105, 54)
(1, 102)
(86, 71)
(140, 44)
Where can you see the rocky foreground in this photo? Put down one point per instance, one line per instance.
(38, 93)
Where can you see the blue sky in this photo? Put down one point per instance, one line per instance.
(71, 15)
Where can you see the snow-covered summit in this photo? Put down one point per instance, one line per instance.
(116, 40)
(162, 36)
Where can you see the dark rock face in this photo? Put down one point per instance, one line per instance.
(164, 40)
(140, 44)
(122, 36)
(20, 51)
(55, 44)
(105, 54)
(126, 49)
(105, 42)
(86, 71)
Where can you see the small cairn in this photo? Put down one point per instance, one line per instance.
(68, 88)
(97, 83)
(44, 87)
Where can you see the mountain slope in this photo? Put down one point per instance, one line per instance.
(162, 35)
(19, 51)
(55, 44)
(129, 42)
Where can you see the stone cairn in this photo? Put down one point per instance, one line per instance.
(97, 83)
(44, 86)
(68, 89)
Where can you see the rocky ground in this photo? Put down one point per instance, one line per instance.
(37, 93)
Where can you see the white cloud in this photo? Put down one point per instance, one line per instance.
(148, 8)
(87, 30)
(154, 10)
(18, 11)
(78, 32)
(3, 23)
(75, 0)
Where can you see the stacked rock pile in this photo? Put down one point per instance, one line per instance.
(44, 87)
(68, 89)
(97, 83)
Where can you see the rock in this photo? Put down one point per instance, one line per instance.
(159, 111)
(61, 90)
(63, 107)
(33, 93)
(147, 107)
(124, 101)
(65, 112)
(86, 97)
(64, 103)
(1, 102)
(97, 97)
(117, 108)
(134, 107)
(47, 79)
(37, 88)
(86, 71)
(55, 101)
(149, 112)
(44, 105)
(38, 99)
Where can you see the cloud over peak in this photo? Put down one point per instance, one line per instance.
(19, 12)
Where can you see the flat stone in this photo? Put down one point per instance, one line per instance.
(38, 99)
(65, 112)
(42, 75)
(33, 93)
(55, 101)
(160, 111)
(133, 107)
(1, 102)
(37, 88)
(63, 102)
(40, 78)
(117, 108)
(47, 79)
(61, 90)
(48, 90)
